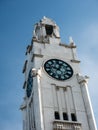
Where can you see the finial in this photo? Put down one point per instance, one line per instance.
(44, 17)
(71, 42)
(70, 39)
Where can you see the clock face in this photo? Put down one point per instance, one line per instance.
(58, 69)
(29, 84)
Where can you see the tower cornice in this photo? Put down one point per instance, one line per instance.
(67, 46)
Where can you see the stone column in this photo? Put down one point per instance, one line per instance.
(67, 89)
(59, 102)
(87, 103)
(38, 100)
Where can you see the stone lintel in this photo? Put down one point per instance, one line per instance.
(58, 86)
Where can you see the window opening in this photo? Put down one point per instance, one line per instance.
(57, 116)
(65, 116)
(73, 117)
(49, 29)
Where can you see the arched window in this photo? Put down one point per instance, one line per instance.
(49, 29)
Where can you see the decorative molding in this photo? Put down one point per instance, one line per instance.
(66, 125)
(68, 46)
(34, 72)
(38, 55)
(58, 86)
(65, 88)
(82, 79)
(75, 61)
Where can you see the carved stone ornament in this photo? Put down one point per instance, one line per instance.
(82, 79)
(34, 72)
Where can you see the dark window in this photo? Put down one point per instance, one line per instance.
(73, 117)
(49, 29)
(65, 116)
(56, 114)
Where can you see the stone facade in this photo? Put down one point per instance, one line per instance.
(51, 104)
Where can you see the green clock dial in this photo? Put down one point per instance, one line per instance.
(29, 84)
(58, 69)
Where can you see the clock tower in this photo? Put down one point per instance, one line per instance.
(56, 94)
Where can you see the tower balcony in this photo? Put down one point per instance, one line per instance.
(66, 125)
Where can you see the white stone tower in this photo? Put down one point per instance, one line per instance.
(56, 94)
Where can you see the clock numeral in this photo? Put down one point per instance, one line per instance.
(69, 72)
(62, 77)
(47, 65)
(50, 62)
(67, 76)
(68, 68)
(64, 64)
(51, 73)
(60, 62)
(54, 61)
(57, 76)
(47, 69)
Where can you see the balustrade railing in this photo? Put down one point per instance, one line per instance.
(66, 125)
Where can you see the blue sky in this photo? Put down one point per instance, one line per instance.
(78, 19)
